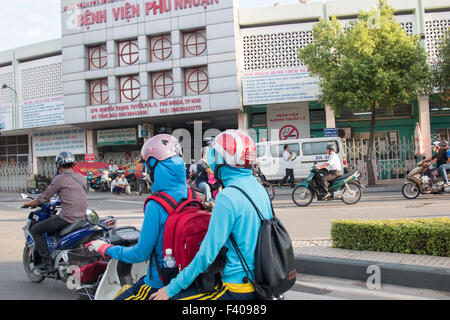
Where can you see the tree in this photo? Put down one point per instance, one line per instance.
(370, 64)
(441, 70)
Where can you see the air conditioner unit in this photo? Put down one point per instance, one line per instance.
(345, 133)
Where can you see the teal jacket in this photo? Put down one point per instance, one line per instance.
(170, 177)
(232, 214)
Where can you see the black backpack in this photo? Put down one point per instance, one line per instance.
(275, 271)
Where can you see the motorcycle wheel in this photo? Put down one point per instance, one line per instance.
(270, 190)
(302, 196)
(28, 264)
(410, 190)
(352, 198)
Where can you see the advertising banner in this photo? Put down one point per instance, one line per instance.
(85, 167)
(42, 112)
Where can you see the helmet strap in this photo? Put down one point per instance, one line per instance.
(151, 168)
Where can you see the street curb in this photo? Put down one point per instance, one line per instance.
(396, 274)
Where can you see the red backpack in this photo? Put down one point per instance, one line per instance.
(185, 229)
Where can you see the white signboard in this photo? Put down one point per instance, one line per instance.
(279, 86)
(288, 121)
(50, 143)
(116, 137)
(42, 112)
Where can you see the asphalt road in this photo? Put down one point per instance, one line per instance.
(308, 223)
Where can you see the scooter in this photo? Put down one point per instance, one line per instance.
(99, 182)
(144, 184)
(347, 188)
(66, 248)
(119, 276)
(262, 180)
(418, 182)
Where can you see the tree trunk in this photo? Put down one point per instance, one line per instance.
(370, 173)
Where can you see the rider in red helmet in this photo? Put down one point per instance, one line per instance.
(231, 157)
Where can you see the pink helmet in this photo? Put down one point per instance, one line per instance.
(161, 147)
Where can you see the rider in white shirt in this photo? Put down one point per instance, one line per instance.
(333, 167)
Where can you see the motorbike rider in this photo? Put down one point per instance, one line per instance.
(446, 166)
(201, 179)
(333, 169)
(440, 158)
(71, 190)
(231, 156)
(161, 155)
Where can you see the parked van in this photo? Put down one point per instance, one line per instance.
(308, 151)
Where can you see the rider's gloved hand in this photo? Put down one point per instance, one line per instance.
(99, 246)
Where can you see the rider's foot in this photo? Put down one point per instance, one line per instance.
(45, 267)
(327, 196)
(446, 184)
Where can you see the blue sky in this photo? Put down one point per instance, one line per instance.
(24, 22)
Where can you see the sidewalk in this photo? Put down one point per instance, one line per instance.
(410, 270)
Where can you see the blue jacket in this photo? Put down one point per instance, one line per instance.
(170, 177)
(233, 214)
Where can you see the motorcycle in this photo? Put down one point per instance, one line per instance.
(346, 187)
(144, 184)
(99, 182)
(418, 182)
(262, 180)
(119, 276)
(66, 248)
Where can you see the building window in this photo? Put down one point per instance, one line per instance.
(399, 111)
(13, 149)
(98, 57)
(98, 92)
(196, 81)
(194, 43)
(162, 84)
(160, 48)
(317, 115)
(128, 52)
(259, 119)
(130, 88)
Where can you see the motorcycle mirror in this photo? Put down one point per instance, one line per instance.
(92, 217)
(24, 196)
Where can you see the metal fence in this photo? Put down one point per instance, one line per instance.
(391, 159)
(13, 177)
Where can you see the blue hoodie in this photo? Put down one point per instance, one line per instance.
(170, 177)
(233, 214)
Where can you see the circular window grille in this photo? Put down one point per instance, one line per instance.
(163, 84)
(97, 58)
(195, 43)
(129, 53)
(197, 81)
(130, 89)
(162, 48)
(99, 92)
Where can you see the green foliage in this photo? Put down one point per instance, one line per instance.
(370, 63)
(441, 72)
(418, 236)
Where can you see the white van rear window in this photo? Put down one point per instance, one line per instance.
(277, 150)
(318, 148)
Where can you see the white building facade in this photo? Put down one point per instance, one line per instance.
(124, 69)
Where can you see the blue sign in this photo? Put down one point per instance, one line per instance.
(330, 132)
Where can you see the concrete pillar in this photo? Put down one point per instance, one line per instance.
(31, 158)
(151, 130)
(91, 142)
(330, 117)
(243, 122)
(425, 124)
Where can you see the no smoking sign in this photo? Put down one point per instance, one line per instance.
(288, 132)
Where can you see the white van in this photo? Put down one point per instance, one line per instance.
(308, 151)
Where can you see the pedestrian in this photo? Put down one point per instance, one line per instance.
(288, 161)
